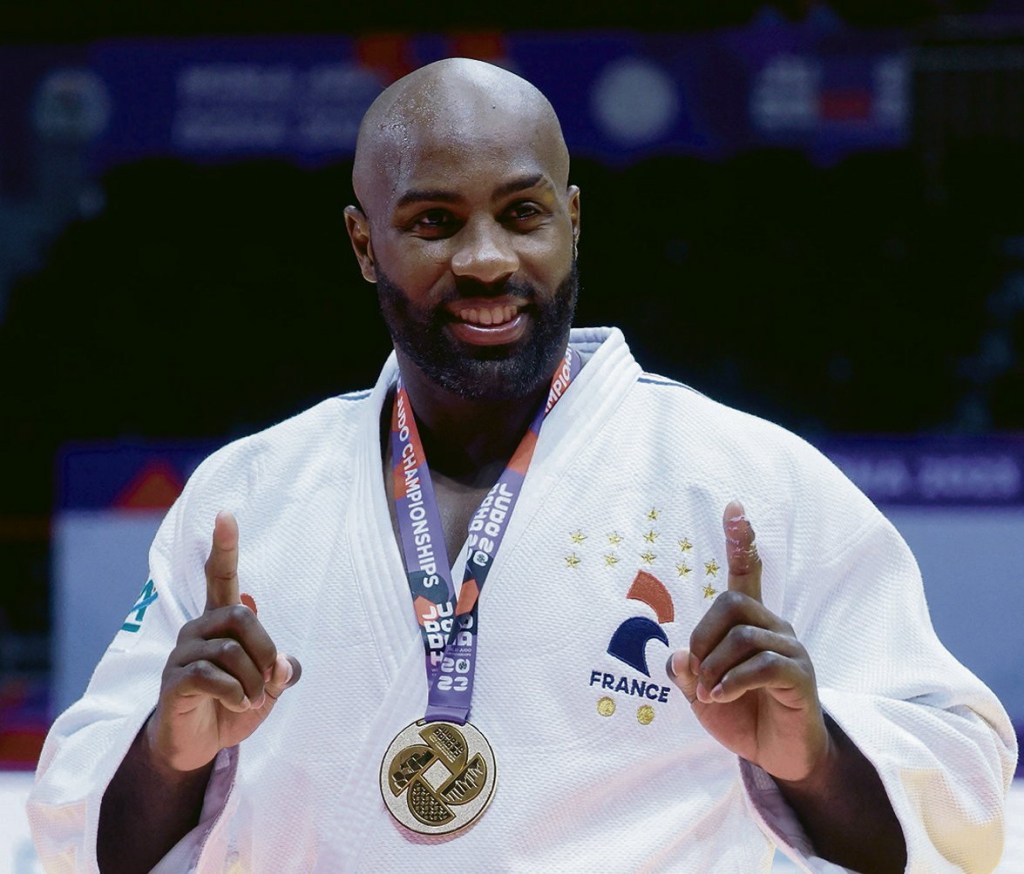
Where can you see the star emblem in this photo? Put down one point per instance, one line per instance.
(710, 591)
(651, 536)
(711, 568)
(615, 538)
(577, 536)
(647, 557)
(572, 560)
(682, 570)
(685, 545)
(611, 559)
(652, 514)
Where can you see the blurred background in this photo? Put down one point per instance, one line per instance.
(813, 211)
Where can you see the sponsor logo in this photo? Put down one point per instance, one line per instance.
(147, 597)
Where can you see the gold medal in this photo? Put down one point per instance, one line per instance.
(438, 777)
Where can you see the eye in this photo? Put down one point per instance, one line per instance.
(434, 223)
(524, 213)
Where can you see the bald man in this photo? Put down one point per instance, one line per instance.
(478, 569)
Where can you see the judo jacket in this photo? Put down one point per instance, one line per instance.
(613, 554)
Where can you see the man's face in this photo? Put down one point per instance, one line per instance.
(482, 371)
(471, 241)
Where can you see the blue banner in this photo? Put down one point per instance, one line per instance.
(938, 471)
(125, 476)
(621, 96)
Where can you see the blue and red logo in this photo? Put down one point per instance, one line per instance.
(629, 642)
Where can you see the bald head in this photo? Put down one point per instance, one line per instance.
(454, 103)
(467, 225)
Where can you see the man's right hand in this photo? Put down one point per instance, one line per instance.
(224, 676)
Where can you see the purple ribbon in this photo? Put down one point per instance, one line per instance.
(448, 624)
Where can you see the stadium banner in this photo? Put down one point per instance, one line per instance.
(817, 86)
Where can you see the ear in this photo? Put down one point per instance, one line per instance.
(574, 211)
(358, 227)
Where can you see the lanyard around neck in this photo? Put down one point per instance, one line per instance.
(448, 623)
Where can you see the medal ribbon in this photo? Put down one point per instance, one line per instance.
(449, 625)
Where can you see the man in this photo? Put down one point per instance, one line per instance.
(528, 727)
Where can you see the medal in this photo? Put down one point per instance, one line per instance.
(438, 774)
(438, 777)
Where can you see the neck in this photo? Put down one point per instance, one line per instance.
(466, 440)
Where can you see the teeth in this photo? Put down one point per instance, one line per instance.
(493, 316)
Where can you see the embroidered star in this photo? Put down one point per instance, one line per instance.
(651, 536)
(572, 560)
(611, 559)
(682, 570)
(615, 538)
(647, 557)
(685, 545)
(577, 536)
(711, 568)
(652, 514)
(710, 591)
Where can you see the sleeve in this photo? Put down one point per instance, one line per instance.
(940, 740)
(87, 743)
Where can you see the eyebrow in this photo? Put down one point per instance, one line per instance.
(440, 195)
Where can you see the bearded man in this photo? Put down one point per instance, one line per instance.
(559, 523)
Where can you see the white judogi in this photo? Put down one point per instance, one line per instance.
(601, 767)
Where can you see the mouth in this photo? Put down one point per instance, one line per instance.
(488, 322)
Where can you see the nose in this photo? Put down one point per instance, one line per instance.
(484, 252)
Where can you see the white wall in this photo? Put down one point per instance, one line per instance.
(972, 561)
(100, 564)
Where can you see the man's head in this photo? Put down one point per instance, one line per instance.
(466, 223)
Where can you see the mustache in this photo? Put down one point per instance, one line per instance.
(470, 288)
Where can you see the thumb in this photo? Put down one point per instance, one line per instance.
(286, 673)
(680, 671)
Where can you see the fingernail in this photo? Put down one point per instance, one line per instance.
(702, 694)
(678, 663)
(268, 673)
(717, 692)
(694, 664)
(261, 700)
(246, 703)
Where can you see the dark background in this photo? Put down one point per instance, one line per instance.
(71, 21)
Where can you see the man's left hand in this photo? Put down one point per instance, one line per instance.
(748, 679)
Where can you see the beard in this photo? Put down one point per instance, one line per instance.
(483, 373)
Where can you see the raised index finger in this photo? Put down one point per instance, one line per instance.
(222, 565)
(744, 562)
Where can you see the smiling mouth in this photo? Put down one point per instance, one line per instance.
(487, 316)
(482, 322)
